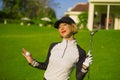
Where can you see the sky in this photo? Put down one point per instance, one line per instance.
(63, 6)
(60, 6)
(0, 4)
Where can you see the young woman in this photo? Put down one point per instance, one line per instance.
(63, 56)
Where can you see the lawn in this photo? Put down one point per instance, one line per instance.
(13, 37)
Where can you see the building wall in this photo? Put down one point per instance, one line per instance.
(73, 15)
(117, 23)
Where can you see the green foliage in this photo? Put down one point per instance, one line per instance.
(13, 65)
(17, 9)
(83, 17)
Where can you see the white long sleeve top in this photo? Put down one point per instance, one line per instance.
(63, 58)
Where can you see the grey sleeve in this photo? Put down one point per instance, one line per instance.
(43, 65)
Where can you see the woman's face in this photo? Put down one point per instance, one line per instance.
(65, 30)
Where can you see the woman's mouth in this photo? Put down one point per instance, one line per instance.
(63, 31)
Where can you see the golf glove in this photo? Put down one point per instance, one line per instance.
(88, 60)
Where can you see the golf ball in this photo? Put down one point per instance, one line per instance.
(27, 54)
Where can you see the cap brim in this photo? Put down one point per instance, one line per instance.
(56, 25)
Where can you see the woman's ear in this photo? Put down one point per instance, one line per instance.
(74, 29)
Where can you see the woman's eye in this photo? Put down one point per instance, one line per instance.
(65, 24)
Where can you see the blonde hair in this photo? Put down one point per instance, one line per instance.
(74, 28)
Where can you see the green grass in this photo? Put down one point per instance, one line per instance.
(13, 38)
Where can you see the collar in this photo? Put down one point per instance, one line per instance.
(69, 42)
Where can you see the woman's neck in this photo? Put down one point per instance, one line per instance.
(70, 38)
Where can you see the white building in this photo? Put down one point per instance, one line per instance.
(76, 10)
(104, 14)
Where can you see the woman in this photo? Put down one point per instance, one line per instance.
(63, 56)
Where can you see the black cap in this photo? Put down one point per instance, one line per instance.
(65, 19)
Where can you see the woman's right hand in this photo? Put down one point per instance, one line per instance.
(27, 55)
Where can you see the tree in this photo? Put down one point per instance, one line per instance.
(83, 18)
(11, 8)
(27, 8)
(54, 4)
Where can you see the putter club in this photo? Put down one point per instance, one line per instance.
(91, 41)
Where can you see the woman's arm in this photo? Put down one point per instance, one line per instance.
(83, 64)
(80, 72)
(33, 62)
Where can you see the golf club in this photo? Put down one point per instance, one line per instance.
(91, 41)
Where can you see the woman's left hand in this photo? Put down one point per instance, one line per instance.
(88, 60)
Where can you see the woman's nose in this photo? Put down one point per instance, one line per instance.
(62, 28)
